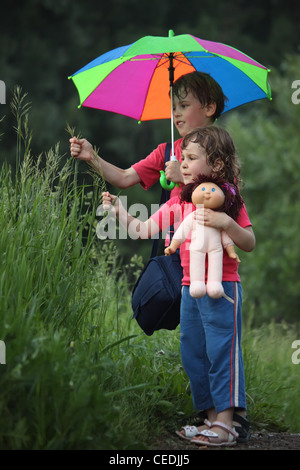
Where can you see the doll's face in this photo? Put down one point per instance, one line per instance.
(208, 194)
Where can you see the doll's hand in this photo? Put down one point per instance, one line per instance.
(169, 251)
(236, 258)
(232, 254)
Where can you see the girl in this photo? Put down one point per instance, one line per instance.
(210, 328)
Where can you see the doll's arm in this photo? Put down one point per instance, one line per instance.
(229, 246)
(180, 235)
(172, 248)
(232, 253)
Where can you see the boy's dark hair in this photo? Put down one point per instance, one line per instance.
(233, 200)
(203, 87)
(220, 150)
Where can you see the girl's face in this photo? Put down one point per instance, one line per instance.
(189, 113)
(194, 162)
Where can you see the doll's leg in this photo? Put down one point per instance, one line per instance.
(197, 274)
(214, 274)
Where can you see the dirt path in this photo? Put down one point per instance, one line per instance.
(260, 440)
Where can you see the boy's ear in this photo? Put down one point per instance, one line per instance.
(211, 109)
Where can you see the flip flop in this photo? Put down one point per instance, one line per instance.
(191, 431)
(213, 438)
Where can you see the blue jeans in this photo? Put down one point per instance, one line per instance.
(211, 351)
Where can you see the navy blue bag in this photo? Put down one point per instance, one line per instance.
(157, 293)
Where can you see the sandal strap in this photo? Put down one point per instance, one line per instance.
(219, 424)
(190, 431)
(207, 422)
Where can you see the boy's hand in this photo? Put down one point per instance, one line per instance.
(81, 149)
(172, 171)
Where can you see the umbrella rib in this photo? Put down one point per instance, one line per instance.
(179, 58)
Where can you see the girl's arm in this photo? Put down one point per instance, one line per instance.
(243, 238)
(135, 227)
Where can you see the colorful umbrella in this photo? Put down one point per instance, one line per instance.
(135, 80)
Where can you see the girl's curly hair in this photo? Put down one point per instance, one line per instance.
(220, 150)
(233, 200)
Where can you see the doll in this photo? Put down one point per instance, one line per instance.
(216, 194)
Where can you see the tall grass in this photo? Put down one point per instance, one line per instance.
(273, 379)
(52, 384)
(79, 372)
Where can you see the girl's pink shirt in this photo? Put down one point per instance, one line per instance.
(173, 212)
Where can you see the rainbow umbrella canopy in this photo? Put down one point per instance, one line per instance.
(135, 80)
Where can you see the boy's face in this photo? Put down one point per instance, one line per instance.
(189, 113)
(194, 162)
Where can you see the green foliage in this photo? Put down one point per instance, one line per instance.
(52, 394)
(272, 380)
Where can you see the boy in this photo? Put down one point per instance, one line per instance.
(198, 102)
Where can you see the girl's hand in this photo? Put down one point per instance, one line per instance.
(109, 200)
(81, 149)
(210, 218)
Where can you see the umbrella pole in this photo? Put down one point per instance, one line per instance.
(163, 181)
(172, 127)
(171, 78)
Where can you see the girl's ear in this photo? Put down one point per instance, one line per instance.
(218, 165)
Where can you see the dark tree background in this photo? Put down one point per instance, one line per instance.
(43, 42)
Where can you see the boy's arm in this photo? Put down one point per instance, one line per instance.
(83, 150)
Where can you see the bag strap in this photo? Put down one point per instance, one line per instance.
(165, 195)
